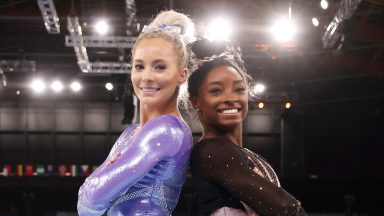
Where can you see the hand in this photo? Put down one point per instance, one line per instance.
(250, 212)
(111, 161)
(257, 171)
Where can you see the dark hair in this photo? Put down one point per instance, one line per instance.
(204, 48)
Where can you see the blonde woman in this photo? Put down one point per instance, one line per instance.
(147, 165)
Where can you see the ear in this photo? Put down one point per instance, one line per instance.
(195, 103)
(183, 76)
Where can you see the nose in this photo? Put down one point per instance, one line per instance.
(231, 100)
(146, 75)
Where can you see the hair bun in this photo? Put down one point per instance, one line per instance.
(204, 48)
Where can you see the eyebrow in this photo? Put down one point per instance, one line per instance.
(220, 83)
(154, 62)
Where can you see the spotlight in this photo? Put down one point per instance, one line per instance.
(38, 85)
(260, 105)
(315, 21)
(101, 27)
(259, 88)
(18, 92)
(219, 29)
(109, 86)
(57, 86)
(288, 105)
(75, 86)
(324, 4)
(284, 30)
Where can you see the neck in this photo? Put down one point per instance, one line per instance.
(149, 112)
(233, 134)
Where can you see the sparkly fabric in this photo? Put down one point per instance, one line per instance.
(146, 178)
(225, 211)
(226, 176)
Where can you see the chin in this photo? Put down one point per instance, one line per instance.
(229, 124)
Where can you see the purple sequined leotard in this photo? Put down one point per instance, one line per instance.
(147, 177)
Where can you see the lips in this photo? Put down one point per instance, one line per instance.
(149, 89)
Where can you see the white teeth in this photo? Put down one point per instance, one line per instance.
(230, 111)
(149, 90)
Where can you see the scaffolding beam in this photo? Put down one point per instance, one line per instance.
(75, 31)
(100, 41)
(110, 67)
(131, 16)
(48, 12)
(18, 66)
(333, 32)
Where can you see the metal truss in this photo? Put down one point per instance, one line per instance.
(333, 32)
(80, 44)
(100, 41)
(51, 20)
(131, 15)
(110, 67)
(75, 31)
(278, 96)
(18, 66)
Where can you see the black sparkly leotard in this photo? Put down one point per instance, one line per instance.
(225, 175)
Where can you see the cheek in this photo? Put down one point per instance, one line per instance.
(134, 77)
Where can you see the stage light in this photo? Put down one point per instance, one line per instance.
(101, 27)
(75, 86)
(260, 105)
(109, 86)
(284, 30)
(57, 86)
(38, 85)
(324, 4)
(18, 92)
(287, 105)
(315, 21)
(219, 29)
(259, 88)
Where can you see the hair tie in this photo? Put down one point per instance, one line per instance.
(223, 55)
(165, 27)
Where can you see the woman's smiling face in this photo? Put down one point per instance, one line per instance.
(222, 98)
(155, 72)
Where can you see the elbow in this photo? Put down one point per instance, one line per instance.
(90, 203)
(86, 208)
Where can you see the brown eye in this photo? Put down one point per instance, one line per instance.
(138, 67)
(240, 89)
(215, 91)
(160, 67)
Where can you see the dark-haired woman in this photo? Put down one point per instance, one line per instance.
(228, 178)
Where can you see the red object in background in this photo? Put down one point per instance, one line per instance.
(8, 170)
(62, 170)
(28, 170)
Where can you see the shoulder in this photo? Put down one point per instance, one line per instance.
(169, 120)
(219, 148)
(215, 144)
(167, 127)
(171, 124)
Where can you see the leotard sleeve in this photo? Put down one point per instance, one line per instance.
(158, 139)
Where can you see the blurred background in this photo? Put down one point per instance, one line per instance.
(65, 95)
